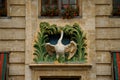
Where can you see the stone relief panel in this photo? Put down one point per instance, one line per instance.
(56, 44)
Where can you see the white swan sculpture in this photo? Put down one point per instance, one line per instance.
(61, 49)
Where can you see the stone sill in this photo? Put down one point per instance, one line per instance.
(114, 16)
(114, 51)
(84, 66)
(7, 17)
(57, 17)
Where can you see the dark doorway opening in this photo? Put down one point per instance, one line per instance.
(60, 78)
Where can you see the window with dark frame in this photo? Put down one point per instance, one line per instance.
(4, 65)
(64, 8)
(116, 8)
(3, 8)
(116, 65)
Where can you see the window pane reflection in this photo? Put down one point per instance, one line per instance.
(74, 6)
(45, 2)
(1, 3)
(65, 1)
(72, 1)
(54, 2)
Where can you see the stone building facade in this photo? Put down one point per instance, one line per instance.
(17, 35)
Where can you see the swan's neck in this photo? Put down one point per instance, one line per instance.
(61, 37)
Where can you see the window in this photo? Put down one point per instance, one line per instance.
(64, 8)
(59, 78)
(3, 8)
(4, 65)
(116, 65)
(116, 8)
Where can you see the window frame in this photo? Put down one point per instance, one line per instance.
(78, 4)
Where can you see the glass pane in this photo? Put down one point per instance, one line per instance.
(1, 4)
(45, 2)
(0, 1)
(43, 8)
(116, 8)
(74, 6)
(72, 1)
(49, 8)
(55, 2)
(64, 6)
(65, 1)
(3, 10)
(116, 4)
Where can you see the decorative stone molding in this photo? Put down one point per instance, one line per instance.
(60, 70)
(85, 66)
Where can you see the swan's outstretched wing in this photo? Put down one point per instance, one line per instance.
(50, 48)
(71, 49)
